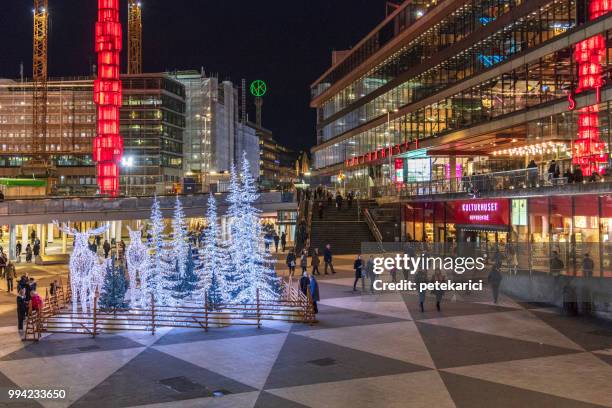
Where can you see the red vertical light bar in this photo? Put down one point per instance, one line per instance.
(589, 150)
(108, 144)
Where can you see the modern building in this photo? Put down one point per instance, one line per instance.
(71, 127)
(484, 121)
(215, 135)
(152, 126)
(276, 162)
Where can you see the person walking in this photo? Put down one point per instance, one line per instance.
(10, 274)
(327, 258)
(349, 198)
(439, 293)
(33, 236)
(18, 249)
(370, 272)
(495, 278)
(421, 277)
(22, 308)
(28, 251)
(314, 293)
(304, 283)
(315, 261)
(283, 241)
(339, 201)
(3, 262)
(106, 248)
(320, 209)
(291, 261)
(358, 267)
(33, 284)
(276, 241)
(304, 261)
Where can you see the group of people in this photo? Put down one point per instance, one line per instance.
(315, 261)
(107, 247)
(272, 236)
(27, 296)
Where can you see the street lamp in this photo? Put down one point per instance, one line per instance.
(127, 162)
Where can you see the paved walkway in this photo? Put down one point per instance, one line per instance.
(367, 351)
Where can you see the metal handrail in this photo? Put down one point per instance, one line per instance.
(373, 227)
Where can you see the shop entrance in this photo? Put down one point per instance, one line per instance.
(479, 241)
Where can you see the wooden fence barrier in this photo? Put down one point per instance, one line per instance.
(292, 306)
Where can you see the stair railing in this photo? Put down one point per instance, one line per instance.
(373, 228)
(309, 223)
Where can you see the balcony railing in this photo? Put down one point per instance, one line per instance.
(482, 184)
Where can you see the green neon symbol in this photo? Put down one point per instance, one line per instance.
(258, 88)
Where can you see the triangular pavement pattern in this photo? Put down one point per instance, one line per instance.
(235, 358)
(474, 393)
(469, 348)
(519, 324)
(267, 400)
(421, 389)
(304, 361)
(578, 376)
(156, 377)
(176, 336)
(334, 317)
(243, 400)
(590, 333)
(146, 338)
(329, 290)
(400, 341)
(385, 306)
(73, 369)
(449, 308)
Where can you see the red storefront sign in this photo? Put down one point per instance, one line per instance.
(482, 212)
(383, 153)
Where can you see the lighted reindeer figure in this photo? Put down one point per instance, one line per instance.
(136, 256)
(84, 267)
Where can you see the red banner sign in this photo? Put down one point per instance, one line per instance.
(482, 212)
(383, 153)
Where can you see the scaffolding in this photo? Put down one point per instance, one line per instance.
(134, 37)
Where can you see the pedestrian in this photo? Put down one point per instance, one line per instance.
(267, 241)
(329, 199)
(3, 262)
(315, 261)
(36, 301)
(28, 251)
(349, 198)
(283, 240)
(339, 201)
(556, 265)
(106, 248)
(421, 278)
(439, 293)
(587, 266)
(304, 261)
(53, 288)
(10, 274)
(495, 278)
(36, 248)
(276, 241)
(327, 258)
(33, 236)
(304, 283)
(357, 266)
(314, 293)
(33, 285)
(18, 249)
(22, 308)
(98, 239)
(370, 272)
(291, 262)
(320, 209)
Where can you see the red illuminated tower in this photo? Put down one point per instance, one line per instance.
(589, 150)
(108, 144)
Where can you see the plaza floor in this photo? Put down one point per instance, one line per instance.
(366, 351)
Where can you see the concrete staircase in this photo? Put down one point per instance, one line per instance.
(387, 219)
(345, 230)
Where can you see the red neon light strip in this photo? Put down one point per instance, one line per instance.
(108, 144)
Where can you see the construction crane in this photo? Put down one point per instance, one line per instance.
(134, 37)
(38, 165)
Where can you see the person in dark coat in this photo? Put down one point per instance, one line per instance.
(320, 209)
(25, 285)
(291, 261)
(22, 308)
(587, 266)
(421, 277)
(327, 258)
(495, 278)
(358, 267)
(315, 261)
(304, 261)
(304, 282)
(18, 248)
(33, 285)
(36, 248)
(10, 274)
(283, 241)
(438, 277)
(276, 241)
(106, 247)
(339, 201)
(28, 251)
(314, 293)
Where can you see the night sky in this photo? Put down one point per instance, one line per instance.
(286, 43)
